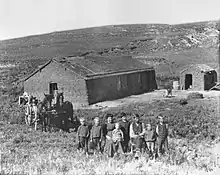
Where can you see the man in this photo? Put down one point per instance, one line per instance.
(162, 133)
(125, 129)
(83, 136)
(96, 135)
(54, 100)
(137, 131)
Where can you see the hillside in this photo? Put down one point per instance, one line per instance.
(166, 47)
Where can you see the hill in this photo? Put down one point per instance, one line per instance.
(166, 47)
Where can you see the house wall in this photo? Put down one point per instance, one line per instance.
(119, 86)
(74, 87)
(197, 79)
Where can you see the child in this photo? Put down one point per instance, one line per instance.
(162, 133)
(150, 138)
(96, 135)
(83, 135)
(117, 138)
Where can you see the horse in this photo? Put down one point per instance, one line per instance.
(44, 117)
(65, 114)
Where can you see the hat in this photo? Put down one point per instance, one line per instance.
(109, 115)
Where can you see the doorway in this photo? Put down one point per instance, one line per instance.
(188, 81)
(52, 87)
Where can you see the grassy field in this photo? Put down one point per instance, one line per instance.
(194, 127)
(193, 141)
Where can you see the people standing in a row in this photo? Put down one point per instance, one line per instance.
(118, 136)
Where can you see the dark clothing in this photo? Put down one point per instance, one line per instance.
(118, 148)
(96, 132)
(109, 128)
(125, 129)
(138, 142)
(83, 131)
(137, 128)
(150, 136)
(96, 144)
(83, 136)
(83, 143)
(162, 131)
(161, 143)
(109, 145)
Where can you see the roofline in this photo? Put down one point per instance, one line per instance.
(43, 66)
(196, 68)
(90, 76)
(117, 73)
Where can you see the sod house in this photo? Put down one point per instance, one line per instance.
(88, 80)
(198, 77)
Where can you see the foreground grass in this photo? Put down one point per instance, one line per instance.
(194, 144)
(30, 152)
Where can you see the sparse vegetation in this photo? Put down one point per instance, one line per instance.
(194, 123)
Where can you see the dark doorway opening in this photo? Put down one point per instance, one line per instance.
(52, 87)
(188, 81)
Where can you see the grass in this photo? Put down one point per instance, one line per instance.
(28, 151)
(194, 127)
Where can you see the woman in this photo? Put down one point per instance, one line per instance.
(109, 144)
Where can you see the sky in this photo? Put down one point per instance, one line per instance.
(29, 17)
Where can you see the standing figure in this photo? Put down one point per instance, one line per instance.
(109, 127)
(150, 137)
(162, 132)
(96, 135)
(31, 111)
(137, 131)
(55, 99)
(117, 138)
(83, 136)
(125, 129)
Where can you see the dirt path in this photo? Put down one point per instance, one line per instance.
(149, 97)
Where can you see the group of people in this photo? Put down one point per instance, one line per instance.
(115, 138)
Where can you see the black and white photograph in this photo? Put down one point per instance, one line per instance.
(109, 87)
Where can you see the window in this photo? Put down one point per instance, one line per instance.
(52, 87)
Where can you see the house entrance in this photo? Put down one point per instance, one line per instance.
(52, 87)
(188, 81)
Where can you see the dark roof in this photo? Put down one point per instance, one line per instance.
(93, 66)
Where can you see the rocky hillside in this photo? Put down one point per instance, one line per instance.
(167, 47)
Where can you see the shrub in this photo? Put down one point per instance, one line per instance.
(195, 95)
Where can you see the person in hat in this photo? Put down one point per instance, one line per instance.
(96, 135)
(109, 127)
(137, 131)
(125, 124)
(83, 135)
(162, 133)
